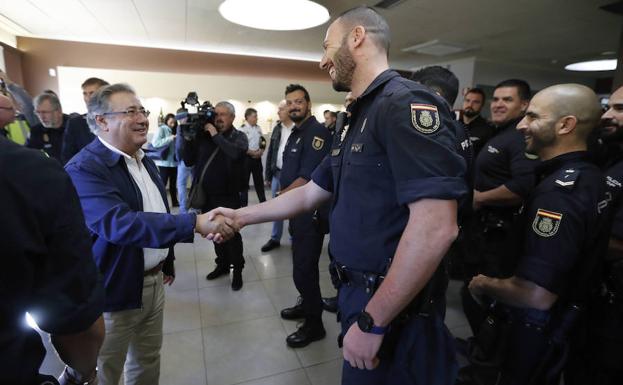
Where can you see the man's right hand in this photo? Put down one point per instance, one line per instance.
(224, 212)
(217, 228)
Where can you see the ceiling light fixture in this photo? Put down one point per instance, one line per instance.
(593, 65)
(275, 15)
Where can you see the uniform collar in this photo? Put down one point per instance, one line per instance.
(510, 124)
(381, 79)
(307, 122)
(552, 165)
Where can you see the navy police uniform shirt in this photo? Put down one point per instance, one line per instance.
(307, 145)
(566, 222)
(503, 161)
(614, 187)
(399, 147)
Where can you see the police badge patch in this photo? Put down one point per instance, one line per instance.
(546, 223)
(425, 118)
(317, 143)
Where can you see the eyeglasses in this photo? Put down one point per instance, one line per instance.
(130, 112)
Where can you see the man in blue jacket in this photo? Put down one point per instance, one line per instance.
(127, 213)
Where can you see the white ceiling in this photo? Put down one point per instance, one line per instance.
(539, 33)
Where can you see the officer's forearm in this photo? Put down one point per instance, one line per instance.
(79, 351)
(519, 292)
(296, 201)
(499, 196)
(427, 237)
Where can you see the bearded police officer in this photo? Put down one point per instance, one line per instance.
(564, 237)
(598, 358)
(307, 145)
(394, 178)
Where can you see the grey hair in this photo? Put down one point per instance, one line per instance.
(100, 102)
(228, 105)
(372, 21)
(52, 99)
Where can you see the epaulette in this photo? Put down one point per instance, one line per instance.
(566, 178)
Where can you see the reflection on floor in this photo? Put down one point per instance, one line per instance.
(215, 336)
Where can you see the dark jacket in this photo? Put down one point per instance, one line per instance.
(54, 143)
(77, 135)
(113, 210)
(226, 172)
(273, 148)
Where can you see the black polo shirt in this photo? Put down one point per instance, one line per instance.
(504, 161)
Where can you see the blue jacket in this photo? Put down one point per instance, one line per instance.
(112, 205)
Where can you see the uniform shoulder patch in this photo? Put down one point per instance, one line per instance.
(546, 223)
(567, 178)
(317, 143)
(425, 118)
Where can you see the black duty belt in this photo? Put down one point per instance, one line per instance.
(366, 280)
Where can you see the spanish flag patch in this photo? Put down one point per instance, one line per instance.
(546, 223)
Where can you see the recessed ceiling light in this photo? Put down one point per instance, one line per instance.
(593, 65)
(276, 15)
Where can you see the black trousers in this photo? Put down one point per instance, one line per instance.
(169, 175)
(306, 250)
(228, 253)
(253, 167)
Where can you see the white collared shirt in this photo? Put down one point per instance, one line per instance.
(254, 133)
(152, 199)
(285, 134)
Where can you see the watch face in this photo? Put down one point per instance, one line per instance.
(365, 322)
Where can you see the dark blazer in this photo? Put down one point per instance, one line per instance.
(113, 210)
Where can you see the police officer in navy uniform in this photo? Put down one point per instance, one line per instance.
(394, 178)
(307, 145)
(598, 360)
(565, 236)
(503, 178)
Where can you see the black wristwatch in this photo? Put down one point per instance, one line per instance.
(366, 324)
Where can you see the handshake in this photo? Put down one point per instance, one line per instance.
(218, 225)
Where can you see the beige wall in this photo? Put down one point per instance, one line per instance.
(39, 55)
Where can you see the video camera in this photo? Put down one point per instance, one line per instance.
(196, 120)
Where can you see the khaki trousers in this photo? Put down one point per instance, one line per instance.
(133, 339)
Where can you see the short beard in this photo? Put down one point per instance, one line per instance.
(298, 119)
(471, 113)
(344, 68)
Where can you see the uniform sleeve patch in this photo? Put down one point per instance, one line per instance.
(425, 118)
(546, 223)
(317, 143)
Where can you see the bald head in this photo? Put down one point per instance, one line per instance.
(573, 100)
(559, 119)
(7, 110)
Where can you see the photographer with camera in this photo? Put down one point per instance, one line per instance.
(218, 151)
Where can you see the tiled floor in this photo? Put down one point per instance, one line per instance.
(215, 336)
